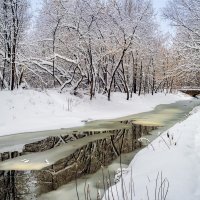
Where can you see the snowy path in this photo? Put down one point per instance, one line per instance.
(177, 159)
(29, 110)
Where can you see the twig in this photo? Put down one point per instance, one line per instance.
(147, 193)
(165, 142)
(156, 186)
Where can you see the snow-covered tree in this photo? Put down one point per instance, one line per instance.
(13, 21)
(185, 15)
(95, 46)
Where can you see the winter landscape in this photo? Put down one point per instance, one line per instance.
(99, 100)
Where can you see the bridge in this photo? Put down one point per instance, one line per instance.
(191, 92)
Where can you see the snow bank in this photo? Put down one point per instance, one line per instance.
(175, 163)
(29, 110)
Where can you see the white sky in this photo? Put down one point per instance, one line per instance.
(158, 5)
(164, 25)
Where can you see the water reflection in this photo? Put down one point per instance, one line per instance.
(65, 162)
(51, 159)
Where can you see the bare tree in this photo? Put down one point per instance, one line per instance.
(184, 16)
(14, 14)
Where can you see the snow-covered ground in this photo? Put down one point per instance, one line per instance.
(170, 165)
(172, 159)
(30, 110)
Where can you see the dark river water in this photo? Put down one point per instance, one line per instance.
(79, 163)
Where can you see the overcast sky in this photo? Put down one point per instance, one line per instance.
(158, 5)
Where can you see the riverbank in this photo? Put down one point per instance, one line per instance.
(30, 110)
(169, 168)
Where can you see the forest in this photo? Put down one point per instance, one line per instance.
(99, 46)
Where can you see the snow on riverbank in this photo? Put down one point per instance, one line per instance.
(176, 156)
(29, 110)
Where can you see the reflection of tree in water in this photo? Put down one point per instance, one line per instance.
(86, 160)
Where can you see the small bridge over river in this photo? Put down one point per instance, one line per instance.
(191, 91)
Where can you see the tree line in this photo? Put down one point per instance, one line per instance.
(96, 46)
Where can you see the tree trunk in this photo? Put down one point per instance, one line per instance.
(140, 83)
(154, 81)
(15, 24)
(125, 82)
(113, 74)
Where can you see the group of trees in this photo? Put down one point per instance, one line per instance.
(93, 45)
(13, 21)
(185, 16)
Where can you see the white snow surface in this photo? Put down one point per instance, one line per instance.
(31, 110)
(177, 159)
